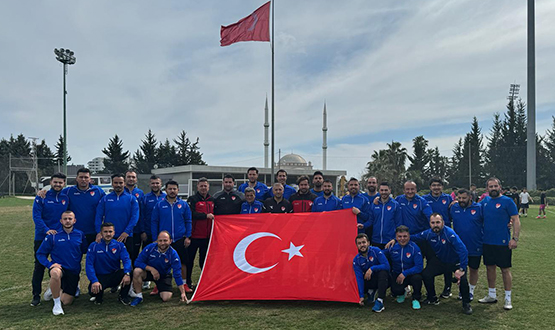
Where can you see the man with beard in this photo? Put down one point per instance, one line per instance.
(131, 187)
(251, 205)
(328, 201)
(260, 189)
(498, 212)
(317, 183)
(371, 189)
(281, 177)
(277, 203)
(415, 209)
(303, 199)
(468, 223)
(147, 205)
(451, 256)
(356, 202)
(228, 200)
(371, 271)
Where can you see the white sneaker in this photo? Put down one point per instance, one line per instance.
(92, 299)
(57, 310)
(132, 293)
(146, 285)
(508, 305)
(488, 300)
(47, 296)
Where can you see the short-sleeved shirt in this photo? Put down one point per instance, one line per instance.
(524, 197)
(497, 215)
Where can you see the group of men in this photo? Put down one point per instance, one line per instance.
(116, 226)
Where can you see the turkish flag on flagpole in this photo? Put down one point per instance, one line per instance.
(255, 27)
(295, 256)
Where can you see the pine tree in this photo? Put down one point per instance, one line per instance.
(116, 161)
(187, 152)
(145, 157)
(418, 161)
(166, 154)
(60, 151)
(494, 153)
(475, 142)
(438, 165)
(19, 147)
(46, 158)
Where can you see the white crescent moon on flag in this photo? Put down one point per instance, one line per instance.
(239, 253)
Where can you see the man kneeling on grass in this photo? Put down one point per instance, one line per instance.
(156, 263)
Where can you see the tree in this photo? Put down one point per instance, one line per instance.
(437, 166)
(45, 159)
(145, 157)
(549, 141)
(187, 152)
(116, 161)
(60, 151)
(389, 165)
(494, 157)
(474, 141)
(457, 169)
(166, 154)
(19, 147)
(419, 160)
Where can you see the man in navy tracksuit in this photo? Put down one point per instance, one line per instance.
(406, 266)
(371, 189)
(468, 223)
(148, 203)
(281, 177)
(47, 213)
(172, 214)
(66, 248)
(131, 187)
(120, 208)
(328, 201)
(357, 202)
(303, 199)
(103, 266)
(260, 189)
(415, 209)
(451, 255)
(318, 184)
(83, 200)
(251, 205)
(440, 203)
(384, 218)
(371, 271)
(156, 263)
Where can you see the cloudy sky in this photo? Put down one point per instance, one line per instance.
(388, 70)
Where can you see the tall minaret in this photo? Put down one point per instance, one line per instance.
(266, 140)
(325, 140)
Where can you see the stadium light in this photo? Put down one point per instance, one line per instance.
(67, 57)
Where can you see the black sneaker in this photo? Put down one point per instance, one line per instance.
(446, 293)
(432, 301)
(36, 301)
(124, 300)
(467, 309)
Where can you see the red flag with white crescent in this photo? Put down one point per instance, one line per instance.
(292, 256)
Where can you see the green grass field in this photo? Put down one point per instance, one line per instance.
(533, 287)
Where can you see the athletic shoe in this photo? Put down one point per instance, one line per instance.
(77, 292)
(467, 309)
(538, 217)
(132, 293)
(471, 296)
(487, 300)
(136, 301)
(187, 288)
(401, 299)
(146, 285)
(432, 301)
(92, 299)
(415, 304)
(446, 293)
(57, 310)
(378, 307)
(124, 300)
(154, 291)
(371, 295)
(544, 217)
(508, 305)
(408, 291)
(47, 296)
(36, 301)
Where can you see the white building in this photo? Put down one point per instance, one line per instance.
(96, 165)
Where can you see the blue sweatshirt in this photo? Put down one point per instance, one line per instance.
(323, 204)
(122, 211)
(361, 203)
(374, 260)
(139, 195)
(416, 213)
(47, 212)
(148, 203)
(497, 215)
(163, 262)
(447, 246)
(370, 198)
(406, 260)
(103, 259)
(384, 218)
(317, 193)
(261, 190)
(83, 203)
(174, 218)
(255, 207)
(64, 249)
(440, 205)
(468, 223)
(287, 192)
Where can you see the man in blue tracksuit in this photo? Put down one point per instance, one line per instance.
(415, 209)
(147, 205)
(468, 223)
(371, 189)
(440, 203)
(281, 177)
(83, 200)
(371, 271)
(260, 189)
(120, 208)
(406, 266)
(384, 218)
(103, 266)
(131, 187)
(47, 212)
(66, 249)
(251, 205)
(318, 184)
(172, 214)
(451, 255)
(328, 201)
(356, 201)
(156, 263)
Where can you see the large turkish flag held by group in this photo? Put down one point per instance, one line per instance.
(302, 256)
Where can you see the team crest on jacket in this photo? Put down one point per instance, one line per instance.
(258, 191)
(166, 260)
(497, 205)
(414, 206)
(137, 195)
(283, 208)
(63, 202)
(389, 208)
(371, 258)
(178, 206)
(233, 198)
(472, 212)
(92, 193)
(443, 241)
(444, 202)
(408, 254)
(256, 209)
(114, 250)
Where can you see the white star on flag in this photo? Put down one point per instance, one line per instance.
(293, 250)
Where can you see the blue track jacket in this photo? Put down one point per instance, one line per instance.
(406, 260)
(83, 203)
(174, 218)
(468, 223)
(255, 207)
(139, 195)
(384, 218)
(323, 204)
(163, 262)
(440, 205)
(361, 203)
(261, 190)
(64, 249)
(122, 211)
(148, 203)
(447, 246)
(416, 213)
(374, 260)
(105, 258)
(287, 192)
(47, 212)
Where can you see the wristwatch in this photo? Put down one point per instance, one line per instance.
(128, 274)
(516, 239)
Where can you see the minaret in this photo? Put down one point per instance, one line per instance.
(325, 140)
(266, 140)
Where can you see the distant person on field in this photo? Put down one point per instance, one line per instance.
(543, 204)
(525, 199)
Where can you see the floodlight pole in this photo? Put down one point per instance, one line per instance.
(66, 57)
(531, 96)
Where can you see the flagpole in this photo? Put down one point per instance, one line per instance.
(273, 112)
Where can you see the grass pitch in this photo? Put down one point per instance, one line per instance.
(533, 287)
